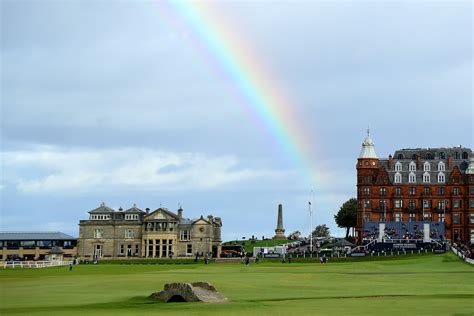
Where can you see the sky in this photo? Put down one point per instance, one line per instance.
(125, 102)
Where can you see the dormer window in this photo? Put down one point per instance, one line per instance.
(412, 166)
(426, 177)
(442, 155)
(398, 166)
(441, 166)
(426, 166)
(398, 178)
(412, 177)
(441, 177)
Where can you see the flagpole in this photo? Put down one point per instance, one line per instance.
(311, 226)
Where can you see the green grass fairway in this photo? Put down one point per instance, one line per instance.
(426, 285)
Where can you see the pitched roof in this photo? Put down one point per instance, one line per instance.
(35, 236)
(134, 209)
(102, 209)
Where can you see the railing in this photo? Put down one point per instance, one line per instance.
(33, 264)
(462, 255)
(358, 248)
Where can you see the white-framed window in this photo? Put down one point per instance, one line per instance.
(472, 235)
(412, 217)
(441, 177)
(398, 178)
(398, 217)
(426, 204)
(129, 233)
(412, 166)
(189, 249)
(398, 203)
(412, 177)
(398, 166)
(441, 204)
(367, 203)
(441, 166)
(366, 191)
(426, 166)
(184, 234)
(471, 218)
(98, 233)
(441, 217)
(426, 177)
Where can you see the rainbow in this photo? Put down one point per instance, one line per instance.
(259, 93)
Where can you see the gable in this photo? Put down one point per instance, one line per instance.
(162, 214)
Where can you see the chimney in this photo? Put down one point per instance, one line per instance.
(147, 210)
(418, 160)
(180, 213)
(450, 161)
(209, 218)
(390, 159)
(218, 221)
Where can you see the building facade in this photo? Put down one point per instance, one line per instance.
(144, 234)
(421, 193)
(37, 246)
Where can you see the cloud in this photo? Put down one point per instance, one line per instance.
(46, 169)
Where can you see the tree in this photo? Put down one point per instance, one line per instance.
(346, 217)
(294, 235)
(321, 231)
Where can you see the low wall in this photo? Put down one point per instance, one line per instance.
(461, 255)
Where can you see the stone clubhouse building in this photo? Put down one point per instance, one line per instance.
(110, 233)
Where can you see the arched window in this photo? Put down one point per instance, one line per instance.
(429, 155)
(400, 156)
(412, 177)
(398, 166)
(426, 166)
(442, 155)
(441, 166)
(441, 178)
(465, 155)
(412, 166)
(457, 155)
(398, 178)
(426, 177)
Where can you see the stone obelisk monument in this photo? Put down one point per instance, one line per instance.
(280, 231)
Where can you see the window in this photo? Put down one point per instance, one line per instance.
(426, 166)
(412, 217)
(412, 166)
(122, 250)
(442, 155)
(471, 218)
(366, 191)
(427, 217)
(398, 217)
(398, 166)
(411, 204)
(184, 235)
(426, 191)
(441, 217)
(442, 205)
(137, 248)
(456, 218)
(398, 203)
(457, 155)
(98, 233)
(456, 203)
(189, 249)
(412, 177)
(398, 178)
(441, 177)
(426, 204)
(382, 205)
(383, 191)
(465, 155)
(455, 191)
(367, 180)
(398, 191)
(429, 156)
(412, 191)
(367, 203)
(441, 166)
(129, 233)
(441, 191)
(400, 156)
(426, 177)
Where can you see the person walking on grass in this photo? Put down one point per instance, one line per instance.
(70, 265)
